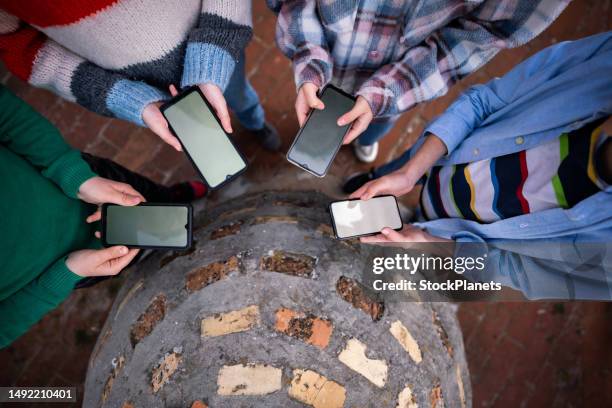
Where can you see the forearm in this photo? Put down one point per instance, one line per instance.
(31, 136)
(428, 70)
(300, 36)
(33, 57)
(97, 89)
(28, 305)
(432, 149)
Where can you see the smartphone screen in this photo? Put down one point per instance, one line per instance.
(147, 225)
(353, 218)
(204, 140)
(320, 138)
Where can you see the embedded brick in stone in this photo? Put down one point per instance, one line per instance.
(248, 379)
(230, 322)
(405, 339)
(354, 357)
(307, 327)
(316, 390)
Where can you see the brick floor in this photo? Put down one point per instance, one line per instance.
(520, 354)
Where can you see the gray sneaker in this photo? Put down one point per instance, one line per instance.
(365, 154)
(268, 137)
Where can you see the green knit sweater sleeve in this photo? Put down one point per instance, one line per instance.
(31, 136)
(29, 304)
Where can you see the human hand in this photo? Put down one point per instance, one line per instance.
(100, 262)
(412, 237)
(98, 190)
(306, 100)
(153, 118)
(359, 117)
(397, 183)
(408, 234)
(215, 97)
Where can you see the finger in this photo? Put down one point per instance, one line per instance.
(128, 189)
(372, 191)
(97, 234)
(362, 190)
(378, 238)
(376, 187)
(364, 194)
(96, 216)
(301, 118)
(167, 136)
(173, 90)
(351, 115)
(356, 129)
(106, 254)
(159, 126)
(312, 99)
(116, 196)
(302, 112)
(116, 265)
(394, 236)
(224, 117)
(214, 95)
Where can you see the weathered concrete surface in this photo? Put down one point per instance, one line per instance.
(283, 232)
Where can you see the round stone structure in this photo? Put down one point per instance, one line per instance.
(267, 310)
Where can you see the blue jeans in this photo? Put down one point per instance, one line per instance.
(377, 130)
(243, 100)
(393, 165)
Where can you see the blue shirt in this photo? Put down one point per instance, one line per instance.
(555, 91)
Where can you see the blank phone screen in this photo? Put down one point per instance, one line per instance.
(321, 137)
(205, 141)
(353, 218)
(165, 226)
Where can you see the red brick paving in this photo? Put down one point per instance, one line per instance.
(520, 354)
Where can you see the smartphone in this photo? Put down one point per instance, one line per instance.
(319, 140)
(211, 151)
(148, 225)
(358, 218)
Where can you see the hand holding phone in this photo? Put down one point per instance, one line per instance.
(359, 117)
(306, 100)
(147, 225)
(320, 138)
(100, 262)
(357, 218)
(98, 190)
(209, 148)
(155, 121)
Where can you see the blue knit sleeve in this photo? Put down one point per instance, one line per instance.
(217, 43)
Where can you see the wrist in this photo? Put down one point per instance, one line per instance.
(411, 172)
(82, 193)
(59, 280)
(207, 63)
(70, 265)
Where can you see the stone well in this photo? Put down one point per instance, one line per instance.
(267, 310)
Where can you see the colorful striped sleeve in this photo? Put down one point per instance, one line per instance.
(33, 57)
(300, 36)
(462, 46)
(215, 46)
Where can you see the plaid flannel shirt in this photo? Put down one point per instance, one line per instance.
(397, 53)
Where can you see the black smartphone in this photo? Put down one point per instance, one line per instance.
(358, 218)
(148, 225)
(211, 151)
(319, 140)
